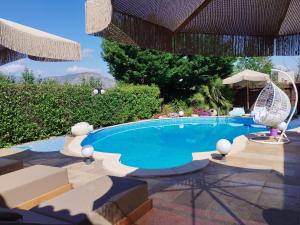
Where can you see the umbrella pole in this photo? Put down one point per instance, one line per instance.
(248, 104)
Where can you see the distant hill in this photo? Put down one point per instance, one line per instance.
(107, 82)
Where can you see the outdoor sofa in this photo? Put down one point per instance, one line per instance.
(46, 192)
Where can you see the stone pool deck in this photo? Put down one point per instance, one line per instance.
(258, 185)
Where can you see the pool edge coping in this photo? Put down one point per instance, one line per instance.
(111, 161)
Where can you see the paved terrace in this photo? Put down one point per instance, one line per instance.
(267, 192)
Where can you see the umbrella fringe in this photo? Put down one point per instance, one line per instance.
(19, 41)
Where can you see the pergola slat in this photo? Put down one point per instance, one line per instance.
(207, 27)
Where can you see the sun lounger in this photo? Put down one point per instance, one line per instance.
(10, 165)
(28, 187)
(46, 192)
(107, 200)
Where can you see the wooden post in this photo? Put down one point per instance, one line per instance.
(248, 103)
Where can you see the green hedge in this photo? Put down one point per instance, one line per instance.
(32, 112)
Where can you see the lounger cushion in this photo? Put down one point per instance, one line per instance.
(26, 184)
(103, 201)
(28, 218)
(10, 165)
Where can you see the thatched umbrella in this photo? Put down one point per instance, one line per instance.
(208, 27)
(18, 41)
(247, 76)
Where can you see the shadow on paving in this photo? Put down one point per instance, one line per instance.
(290, 212)
(223, 195)
(56, 159)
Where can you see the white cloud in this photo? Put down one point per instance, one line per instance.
(13, 68)
(87, 53)
(79, 69)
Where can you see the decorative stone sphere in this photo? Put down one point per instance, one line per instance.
(81, 129)
(181, 113)
(213, 112)
(223, 146)
(87, 151)
(102, 91)
(282, 126)
(95, 92)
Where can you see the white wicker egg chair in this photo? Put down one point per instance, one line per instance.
(273, 107)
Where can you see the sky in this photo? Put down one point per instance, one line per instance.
(66, 18)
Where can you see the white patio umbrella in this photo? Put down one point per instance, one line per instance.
(247, 75)
(18, 41)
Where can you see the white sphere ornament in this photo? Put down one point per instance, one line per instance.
(81, 129)
(282, 126)
(181, 113)
(102, 91)
(213, 112)
(87, 151)
(95, 92)
(223, 146)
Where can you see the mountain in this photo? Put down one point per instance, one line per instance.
(77, 78)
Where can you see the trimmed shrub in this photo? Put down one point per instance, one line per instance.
(36, 111)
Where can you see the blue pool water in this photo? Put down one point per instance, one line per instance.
(167, 143)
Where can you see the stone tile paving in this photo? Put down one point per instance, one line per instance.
(42, 158)
(224, 195)
(218, 194)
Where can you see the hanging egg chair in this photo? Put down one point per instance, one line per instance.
(272, 106)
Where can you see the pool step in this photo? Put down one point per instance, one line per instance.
(285, 159)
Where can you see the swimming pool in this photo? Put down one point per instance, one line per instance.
(167, 143)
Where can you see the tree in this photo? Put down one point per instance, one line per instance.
(28, 76)
(177, 76)
(259, 64)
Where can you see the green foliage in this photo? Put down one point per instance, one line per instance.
(6, 79)
(214, 95)
(198, 101)
(166, 109)
(259, 64)
(179, 105)
(35, 111)
(92, 82)
(28, 76)
(188, 111)
(176, 76)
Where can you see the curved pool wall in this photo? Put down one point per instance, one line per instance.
(167, 143)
